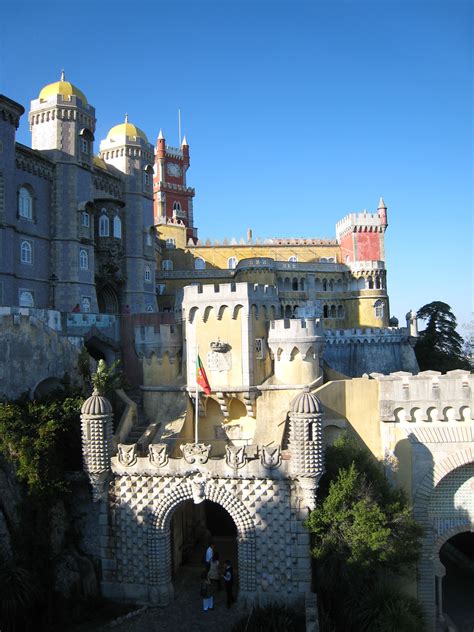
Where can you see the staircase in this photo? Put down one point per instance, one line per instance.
(142, 420)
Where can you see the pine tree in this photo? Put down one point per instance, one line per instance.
(439, 347)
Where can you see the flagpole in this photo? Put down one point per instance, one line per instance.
(196, 408)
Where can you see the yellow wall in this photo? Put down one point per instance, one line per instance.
(160, 370)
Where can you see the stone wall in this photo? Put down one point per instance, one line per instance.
(31, 352)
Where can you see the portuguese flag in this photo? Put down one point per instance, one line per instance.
(201, 377)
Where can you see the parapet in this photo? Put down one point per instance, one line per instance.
(233, 291)
(159, 340)
(366, 335)
(429, 396)
(295, 328)
(361, 223)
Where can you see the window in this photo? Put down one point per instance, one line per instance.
(378, 309)
(293, 259)
(86, 304)
(85, 220)
(161, 289)
(340, 311)
(85, 146)
(325, 311)
(147, 274)
(103, 225)
(294, 284)
(83, 259)
(146, 179)
(117, 227)
(27, 298)
(199, 264)
(232, 263)
(325, 285)
(176, 206)
(259, 348)
(26, 252)
(166, 264)
(25, 203)
(333, 311)
(170, 243)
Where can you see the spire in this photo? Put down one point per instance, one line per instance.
(126, 117)
(381, 203)
(63, 77)
(185, 142)
(160, 135)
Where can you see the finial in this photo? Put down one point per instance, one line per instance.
(126, 117)
(381, 203)
(160, 135)
(62, 75)
(185, 142)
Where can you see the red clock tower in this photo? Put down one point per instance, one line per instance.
(172, 198)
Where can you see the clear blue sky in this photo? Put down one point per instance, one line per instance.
(296, 113)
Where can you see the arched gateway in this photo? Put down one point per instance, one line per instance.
(159, 538)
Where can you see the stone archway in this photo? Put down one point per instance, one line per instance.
(430, 566)
(197, 488)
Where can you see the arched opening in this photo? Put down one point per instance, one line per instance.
(457, 557)
(192, 528)
(107, 300)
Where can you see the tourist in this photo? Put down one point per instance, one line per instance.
(214, 575)
(206, 592)
(209, 555)
(229, 582)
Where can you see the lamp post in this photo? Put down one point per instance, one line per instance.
(53, 281)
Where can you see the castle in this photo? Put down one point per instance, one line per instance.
(295, 336)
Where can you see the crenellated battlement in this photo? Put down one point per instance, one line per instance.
(366, 335)
(303, 334)
(360, 222)
(295, 328)
(429, 396)
(232, 291)
(16, 315)
(158, 339)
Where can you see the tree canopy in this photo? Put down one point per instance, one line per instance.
(362, 531)
(440, 347)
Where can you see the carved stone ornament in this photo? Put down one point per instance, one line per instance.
(127, 454)
(219, 347)
(306, 490)
(195, 452)
(198, 489)
(270, 457)
(157, 453)
(235, 456)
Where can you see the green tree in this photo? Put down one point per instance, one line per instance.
(361, 530)
(439, 347)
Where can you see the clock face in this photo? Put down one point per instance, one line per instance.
(173, 169)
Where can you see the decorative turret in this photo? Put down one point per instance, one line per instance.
(297, 346)
(361, 235)
(96, 428)
(126, 147)
(61, 119)
(306, 444)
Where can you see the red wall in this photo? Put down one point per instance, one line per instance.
(367, 246)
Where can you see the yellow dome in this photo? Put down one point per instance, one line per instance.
(126, 129)
(65, 88)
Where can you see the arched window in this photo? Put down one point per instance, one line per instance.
(27, 298)
(377, 282)
(176, 206)
(333, 311)
(325, 285)
(170, 243)
(117, 227)
(378, 309)
(147, 274)
(340, 312)
(199, 264)
(83, 259)
(26, 252)
(25, 203)
(323, 260)
(293, 259)
(103, 225)
(166, 264)
(85, 219)
(331, 285)
(370, 283)
(231, 263)
(294, 284)
(325, 311)
(86, 304)
(302, 285)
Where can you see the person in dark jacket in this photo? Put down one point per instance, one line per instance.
(228, 578)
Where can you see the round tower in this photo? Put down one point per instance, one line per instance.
(96, 430)
(61, 119)
(305, 443)
(297, 346)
